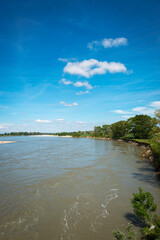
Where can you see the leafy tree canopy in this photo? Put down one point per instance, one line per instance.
(141, 126)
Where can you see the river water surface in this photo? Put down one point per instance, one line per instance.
(54, 188)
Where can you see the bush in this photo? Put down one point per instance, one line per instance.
(129, 235)
(143, 206)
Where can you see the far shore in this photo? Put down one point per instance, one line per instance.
(68, 136)
(3, 142)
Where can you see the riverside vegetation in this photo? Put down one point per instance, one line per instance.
(143, 207)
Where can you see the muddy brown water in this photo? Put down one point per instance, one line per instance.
(69, 189)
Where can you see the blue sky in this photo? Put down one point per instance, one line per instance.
(71, 65)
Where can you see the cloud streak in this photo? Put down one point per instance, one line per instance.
(59, 120)
(69, 104)
(42, 121)
(108, 43)
(67, 59)
(140, 110)
(91, 67)
(121, 112)
(82, 93)
(143, 110)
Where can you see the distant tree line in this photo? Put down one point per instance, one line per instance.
(20, 134)
(138, 127)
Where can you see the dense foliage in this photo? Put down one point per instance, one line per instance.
(141, 126)
(21, 134)
(143, 207)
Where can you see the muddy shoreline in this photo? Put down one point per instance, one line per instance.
(146, 155)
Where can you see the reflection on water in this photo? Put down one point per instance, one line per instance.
(69, 189)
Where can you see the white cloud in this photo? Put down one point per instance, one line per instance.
(59, 120)
(92, 44)
(91, 67)
(83, 84)
(76, 84)
(67, 59)
(108, 43)
(42, 121)
(121, 112)
(139, 110)
(155, 104)
(69, 104)
(82, 93)
(143, 110)
(1, 127)
(65, 81)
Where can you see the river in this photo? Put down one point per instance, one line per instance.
(55, 188)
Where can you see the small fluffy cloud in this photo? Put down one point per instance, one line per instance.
(76, 84)
(1, 127)
(155, 104)
(69, 104)
(65, 81)
(143, 110)
(91, 67)
(121, 112)
(108, 43)
(82, 93)
(92, 44)
(42, 121)
(83, 84)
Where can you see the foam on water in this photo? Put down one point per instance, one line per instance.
(86, 211)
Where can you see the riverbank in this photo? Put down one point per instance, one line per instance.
(148, 154)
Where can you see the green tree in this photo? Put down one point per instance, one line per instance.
(76, 134)
(143, 206)
(157, 116)
(119, 129)
(98, 131)
(155, 141)
(141, 126)
(107, 132)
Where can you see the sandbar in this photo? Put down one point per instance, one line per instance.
(3, 142)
